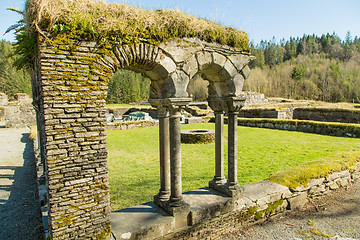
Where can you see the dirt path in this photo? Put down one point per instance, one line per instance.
(20, 215)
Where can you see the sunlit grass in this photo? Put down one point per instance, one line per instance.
(134, 158)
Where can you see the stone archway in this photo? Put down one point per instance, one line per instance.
(70, 76)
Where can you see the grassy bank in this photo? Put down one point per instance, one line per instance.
(134, 165)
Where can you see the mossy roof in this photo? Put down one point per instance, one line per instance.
(124, 23)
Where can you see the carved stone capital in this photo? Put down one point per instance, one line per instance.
(228, 104)
(170, 103)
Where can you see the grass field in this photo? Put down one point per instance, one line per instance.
(134, 158)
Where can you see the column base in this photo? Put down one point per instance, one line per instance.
(217, 182)
(180, 211)
(232, 190)
(161, 197)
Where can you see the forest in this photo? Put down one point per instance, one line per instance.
(322, 68)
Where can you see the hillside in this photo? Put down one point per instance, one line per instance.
(317, 68)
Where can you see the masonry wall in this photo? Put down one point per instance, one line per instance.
(258, 113)
(72, 95)
(327, 115)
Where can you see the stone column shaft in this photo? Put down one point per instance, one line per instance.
(232, 148)
(175, 158)
(164, 144)
(219, 177)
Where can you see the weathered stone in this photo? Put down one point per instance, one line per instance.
(191, 67)
(315, 182)
(228, 71)
(204, 60)
(317, 190)
(337, 175)
(180, 50)
(218, 61)
(332, 185)
(343, 182)
(297, 201)
(165, 67)
(265, 192)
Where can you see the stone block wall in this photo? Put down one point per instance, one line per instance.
(258, 113)
(72, 94)
(327, 115)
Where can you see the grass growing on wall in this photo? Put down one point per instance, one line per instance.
(134, 165)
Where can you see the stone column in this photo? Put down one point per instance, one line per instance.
(219, 178)
(164, 145)
(232, 148)
(175, 157)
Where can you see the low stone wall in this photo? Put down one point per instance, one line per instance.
(325, 128)
(258, 113)
(265, 199)
(131, 125)
(328, 115)
(271, 198)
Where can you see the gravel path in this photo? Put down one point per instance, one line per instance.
(334, 216)
(20, 214)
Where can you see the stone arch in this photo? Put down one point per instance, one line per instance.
(225, 71)
(71, 73)
(72, 80)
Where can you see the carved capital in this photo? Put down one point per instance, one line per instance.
(228, 104)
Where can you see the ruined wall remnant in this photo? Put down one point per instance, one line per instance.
(71, 71)
(19, 113)
(327, 114)
(72, 107)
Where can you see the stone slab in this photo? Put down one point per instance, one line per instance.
(206, 203)
(145, 221)
(265, 192)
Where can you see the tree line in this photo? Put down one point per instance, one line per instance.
(310, 67)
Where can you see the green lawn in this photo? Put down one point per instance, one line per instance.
(134, 164)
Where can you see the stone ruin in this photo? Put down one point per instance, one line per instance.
(70, 76)
(19, 113)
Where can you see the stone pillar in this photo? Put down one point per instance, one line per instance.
(164, 145)
(175, 206)
(219, 178)
(232, 148)
(231, 105)
(175, 157)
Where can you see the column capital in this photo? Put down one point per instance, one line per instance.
(163, 112)
(170, 102)
(228, 104)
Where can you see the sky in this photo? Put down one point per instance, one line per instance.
(260, 19)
